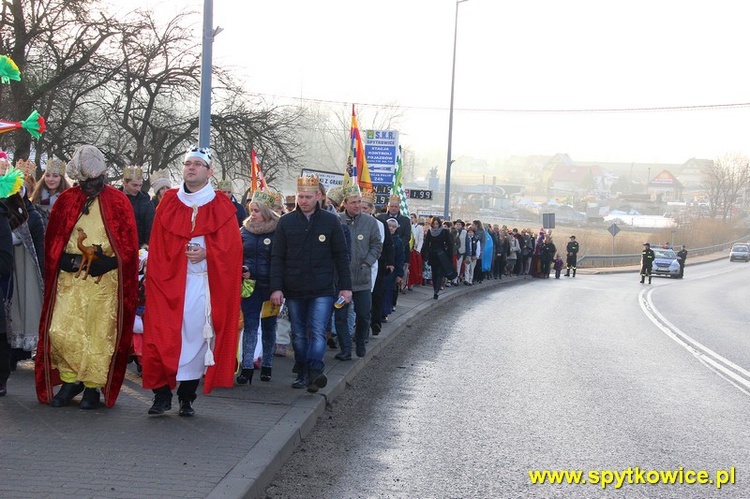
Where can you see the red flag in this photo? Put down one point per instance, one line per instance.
(357, 158)
(257, 181)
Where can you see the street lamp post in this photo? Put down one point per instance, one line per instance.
(449, 161)
(204, 117)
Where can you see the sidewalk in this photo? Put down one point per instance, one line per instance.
(233, 447)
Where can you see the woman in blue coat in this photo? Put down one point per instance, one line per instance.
(257, 241)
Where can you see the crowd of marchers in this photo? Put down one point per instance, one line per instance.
(98, 277)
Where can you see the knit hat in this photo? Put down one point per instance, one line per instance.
(160, 183)
(87, 163)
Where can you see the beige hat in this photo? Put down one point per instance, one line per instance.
(87, 163)
(160, 183)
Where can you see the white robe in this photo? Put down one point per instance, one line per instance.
(192, 354)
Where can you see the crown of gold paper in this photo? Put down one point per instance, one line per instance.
(27, 167)
(264, 198)
(368, 197)
(395, 197)
(225, 185)
(291, 200)
(335, 194)
(132, 172)
(55, 165)
(351, 191)
(278, 197)
(308, 183)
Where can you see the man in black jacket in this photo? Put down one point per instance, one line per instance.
(143, 208)
(309, 261)
(572, 257)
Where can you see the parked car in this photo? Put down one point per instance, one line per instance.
(739, 252)
(666, 263)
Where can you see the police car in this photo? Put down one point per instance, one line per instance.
(666, 263)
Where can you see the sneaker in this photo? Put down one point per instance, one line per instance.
(186, 408)
(160, 406)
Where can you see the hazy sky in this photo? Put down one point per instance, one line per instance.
(528, 55)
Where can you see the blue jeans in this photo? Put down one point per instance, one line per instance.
(251, 312)
(310, 316)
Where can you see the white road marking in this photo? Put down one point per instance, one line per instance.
(724, 367)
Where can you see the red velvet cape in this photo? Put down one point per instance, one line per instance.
(166, 275)
(119, 221)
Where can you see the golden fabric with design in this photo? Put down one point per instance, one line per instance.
(83, 327)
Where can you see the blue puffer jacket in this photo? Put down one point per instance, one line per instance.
(256, 251)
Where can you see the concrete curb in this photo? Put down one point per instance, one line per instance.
(250, 477)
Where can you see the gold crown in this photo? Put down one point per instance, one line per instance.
(351, 191)
(132, 172)
(225, 185)
(291, 200)
(264, 198)
(27, 167)
(55, 165)
(395, 197)
(336, 194)
(308, 183)
(278, 197)
(368, 197)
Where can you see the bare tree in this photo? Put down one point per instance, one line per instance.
(725, 179)
(53, 42)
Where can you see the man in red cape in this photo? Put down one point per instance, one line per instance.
(192, 290)
(87, 165)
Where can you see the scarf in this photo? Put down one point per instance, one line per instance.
(436, 232)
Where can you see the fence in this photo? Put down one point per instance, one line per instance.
(597, 261)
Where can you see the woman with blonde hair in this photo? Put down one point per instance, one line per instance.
(257, 241)
(49, 188)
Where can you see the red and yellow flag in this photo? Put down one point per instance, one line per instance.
(356, 165)
(257, 181)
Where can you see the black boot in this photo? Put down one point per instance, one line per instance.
(316, 380)
(245, 377)
(162, 401)
(90, 399)
(186, 408)
(186, 395)
(567, 274)
(66, 394)
(574, 272)
(265, 373)
(301, 381)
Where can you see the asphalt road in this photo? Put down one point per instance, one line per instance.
(576, 374)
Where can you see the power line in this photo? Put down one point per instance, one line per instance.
(655, 109)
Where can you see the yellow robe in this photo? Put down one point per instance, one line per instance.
(84, 323)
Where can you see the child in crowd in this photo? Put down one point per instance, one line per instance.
(558, 265)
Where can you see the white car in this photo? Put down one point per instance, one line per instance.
(666, 262)
(740, 252)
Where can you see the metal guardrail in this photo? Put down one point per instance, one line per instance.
(597, 261)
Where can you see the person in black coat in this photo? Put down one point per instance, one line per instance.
(6, 269)
(437, 249)
(682, 255)
(143, 207)
(309, 263)
(547, 255)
